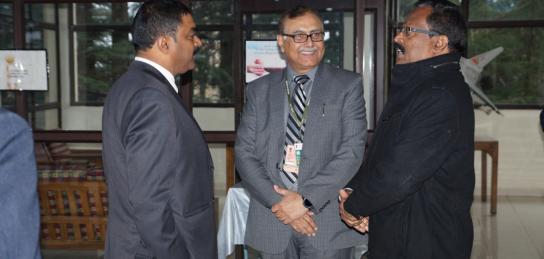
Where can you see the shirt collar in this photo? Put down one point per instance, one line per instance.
(162, 70)
(311, 74)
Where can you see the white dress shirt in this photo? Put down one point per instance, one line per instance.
(161, 69)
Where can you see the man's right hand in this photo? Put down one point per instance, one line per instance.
(363, 226)
(358, 223)
(304, 225)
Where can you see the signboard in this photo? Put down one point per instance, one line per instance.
(262, 57)
(23, 70)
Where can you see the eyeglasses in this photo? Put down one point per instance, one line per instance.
(408, 31)
(303, 37)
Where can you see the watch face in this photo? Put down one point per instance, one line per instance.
(307, 204)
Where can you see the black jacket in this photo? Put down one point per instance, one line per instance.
(417, 183)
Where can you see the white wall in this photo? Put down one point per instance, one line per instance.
(215, 119)
(521, 151)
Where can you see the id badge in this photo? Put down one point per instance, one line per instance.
(298, 152)
(290, 163)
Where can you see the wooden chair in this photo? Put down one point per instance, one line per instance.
(73, 214)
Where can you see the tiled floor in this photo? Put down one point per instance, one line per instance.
(517, 231)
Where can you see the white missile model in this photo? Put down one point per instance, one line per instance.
(472, 70)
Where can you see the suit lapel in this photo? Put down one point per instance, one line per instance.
(318, 98)
(165, 86)
(277, 111)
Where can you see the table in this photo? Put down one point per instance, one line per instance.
(489, 146)
(232, 226)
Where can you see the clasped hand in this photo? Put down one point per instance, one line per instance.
(358, 223)
(290, 211)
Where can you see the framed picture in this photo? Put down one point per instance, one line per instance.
(262, 57)
(23, 70)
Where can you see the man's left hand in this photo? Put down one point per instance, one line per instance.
(290, 207)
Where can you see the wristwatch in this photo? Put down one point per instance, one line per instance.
(307, 203)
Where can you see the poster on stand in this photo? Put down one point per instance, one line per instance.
(262, 57)
(23, 70)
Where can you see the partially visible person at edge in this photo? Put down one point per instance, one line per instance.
(301, 138)
(157, 164)
(20, 209)
(417, 183)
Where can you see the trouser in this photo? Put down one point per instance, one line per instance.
(299, 247)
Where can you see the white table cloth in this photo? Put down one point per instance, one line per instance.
(232, 226)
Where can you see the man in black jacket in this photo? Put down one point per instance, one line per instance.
(417, 184)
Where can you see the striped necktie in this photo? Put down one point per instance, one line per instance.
(295, 123)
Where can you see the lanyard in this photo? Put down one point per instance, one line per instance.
(292, 110)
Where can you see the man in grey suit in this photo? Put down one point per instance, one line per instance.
(157, 163)
(301, 138)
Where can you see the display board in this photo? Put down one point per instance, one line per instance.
(23, 70)
(262, 57)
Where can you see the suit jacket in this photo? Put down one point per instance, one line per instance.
(417, 182)
(334, 141)
(159, 172)
(20, 213)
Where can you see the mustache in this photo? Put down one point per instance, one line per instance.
(302, 49)
(398, 47)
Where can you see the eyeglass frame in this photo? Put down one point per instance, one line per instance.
(405, 29)
(310, 35)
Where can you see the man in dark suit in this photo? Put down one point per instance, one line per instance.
(417, 182)
(20, 209)
(157, 164)
(300, 139)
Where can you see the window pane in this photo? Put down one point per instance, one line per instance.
(268, 18)
(264, 35)
(483, 10)
(7, 99)
(334, 48)
(105, 13)
(100, 58)
(212, 12)
(332, 18)
(212, 77)
(35, 13)
(43, 105)
(6, 26)
(336, 29)
(404, 6)
(516, 76)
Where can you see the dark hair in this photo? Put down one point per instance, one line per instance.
(295, 12)
(156, 18)
(446, 19)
